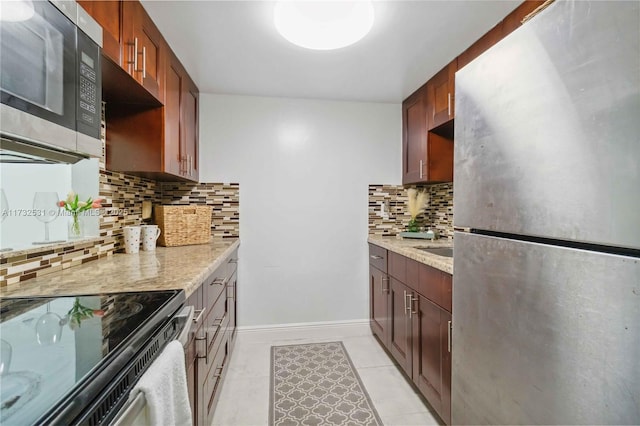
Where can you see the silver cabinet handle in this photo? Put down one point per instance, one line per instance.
(449, 335)
(191, 157)
(421, 168)
(199, 316)
(375, 257)
(407, 308)
(135, 54)
(218, 372)
(412, 300)
(449, 104)
(199, 341)
(384, 290)
(218, 322)
(144, 61)
(219, 281)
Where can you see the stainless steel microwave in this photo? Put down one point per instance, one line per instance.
(50, 78)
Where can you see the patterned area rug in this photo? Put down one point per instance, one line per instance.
(316, 384)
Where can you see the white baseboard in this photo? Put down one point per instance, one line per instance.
(301, 326)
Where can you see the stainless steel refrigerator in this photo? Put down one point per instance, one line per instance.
(546, 292)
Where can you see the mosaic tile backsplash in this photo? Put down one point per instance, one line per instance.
(388, 209)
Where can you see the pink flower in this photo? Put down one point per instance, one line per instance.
(96, 203)
(61, 203)
(98, 312)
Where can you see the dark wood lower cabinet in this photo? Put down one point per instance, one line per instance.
(400, 341)
(431, 357)
(211, 340)
(379, 304)
(412, 321)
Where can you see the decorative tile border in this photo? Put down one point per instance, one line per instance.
(19, 268)
(392, 199)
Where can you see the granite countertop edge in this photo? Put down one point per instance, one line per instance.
(408, 248)
(166, 268)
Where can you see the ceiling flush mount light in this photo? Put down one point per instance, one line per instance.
(323, 25)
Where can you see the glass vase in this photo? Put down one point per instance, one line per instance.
(76, 227)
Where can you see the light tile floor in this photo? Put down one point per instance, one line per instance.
(245, 393)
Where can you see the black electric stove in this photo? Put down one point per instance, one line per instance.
(72, 360)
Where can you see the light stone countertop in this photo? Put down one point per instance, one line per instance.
(407, 247)
(167, 268)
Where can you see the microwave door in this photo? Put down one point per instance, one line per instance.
(38, 65)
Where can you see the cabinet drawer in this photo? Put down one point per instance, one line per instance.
(216, 323)
(436, 286)
(398, 267)
(232, 263)
(214, 380)
(378, 257)
(214, 286)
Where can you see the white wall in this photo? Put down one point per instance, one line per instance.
(304, 167)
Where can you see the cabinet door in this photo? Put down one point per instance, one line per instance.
(400, 330)
(189, 122)
(441, 95)
(414, 137)
(173, 139)
(144, 53)
(379, 304)
(431, 358)
(109, 15)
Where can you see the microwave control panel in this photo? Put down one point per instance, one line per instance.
(89, 101)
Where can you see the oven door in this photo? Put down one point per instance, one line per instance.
(135, 412)
(38, 68)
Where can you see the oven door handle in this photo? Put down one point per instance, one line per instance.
(130, 413)
(185, 318)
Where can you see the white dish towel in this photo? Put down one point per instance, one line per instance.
(165, 388)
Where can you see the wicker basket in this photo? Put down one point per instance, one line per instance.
(183, 225)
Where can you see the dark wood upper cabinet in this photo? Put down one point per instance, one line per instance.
(427, 157)
(144, 49)
(414, 136)
(181, 121)
(441, 95)
(152, 102)
(189, 123)
(514, 19)
(485, 42)
(428, 113)
(109, 15)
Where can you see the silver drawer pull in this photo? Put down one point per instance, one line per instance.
(218, 322)
(202, 339)
(219, 281)
(375, 257)
(199, 313)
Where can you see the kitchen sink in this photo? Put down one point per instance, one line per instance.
(438, 251)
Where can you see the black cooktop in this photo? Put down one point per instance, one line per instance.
(57, 353)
